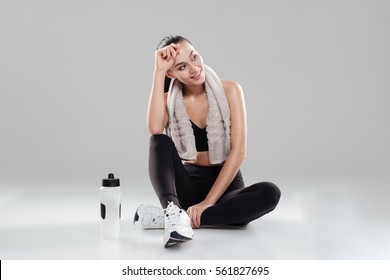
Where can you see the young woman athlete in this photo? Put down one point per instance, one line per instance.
(195, 167)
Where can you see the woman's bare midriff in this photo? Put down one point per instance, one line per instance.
(202, 159)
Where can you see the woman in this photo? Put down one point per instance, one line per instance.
(195, 168)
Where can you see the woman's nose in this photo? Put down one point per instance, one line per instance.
(193, 68)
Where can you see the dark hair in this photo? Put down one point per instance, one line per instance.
(166, 41)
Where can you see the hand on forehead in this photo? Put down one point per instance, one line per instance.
(183, 50)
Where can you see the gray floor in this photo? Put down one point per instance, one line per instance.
(344, 218)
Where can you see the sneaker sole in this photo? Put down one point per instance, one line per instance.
(176, 238)
(172, 242)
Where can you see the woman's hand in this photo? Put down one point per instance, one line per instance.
(165, 57)
(195, 211)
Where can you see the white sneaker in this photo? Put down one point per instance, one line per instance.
(149, 217)
(177, 226)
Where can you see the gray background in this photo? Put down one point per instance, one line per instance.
(76, 77)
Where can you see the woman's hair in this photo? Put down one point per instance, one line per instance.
(171, 39)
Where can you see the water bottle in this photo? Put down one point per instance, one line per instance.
(110, 207)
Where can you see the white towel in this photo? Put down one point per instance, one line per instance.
(179, 127)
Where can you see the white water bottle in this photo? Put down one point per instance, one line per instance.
(110, 208)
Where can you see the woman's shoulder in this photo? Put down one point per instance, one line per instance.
(231, 87)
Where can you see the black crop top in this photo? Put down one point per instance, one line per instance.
(200, 138)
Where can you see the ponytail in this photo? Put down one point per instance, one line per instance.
(167, 83)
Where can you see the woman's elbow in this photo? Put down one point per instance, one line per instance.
(155, 130)
(155, 126)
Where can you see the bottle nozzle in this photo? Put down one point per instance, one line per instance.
(111, 181)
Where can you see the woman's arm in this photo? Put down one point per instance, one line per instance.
(238, 136)
(235, 97)
(157, 115)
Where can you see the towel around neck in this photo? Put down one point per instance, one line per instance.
(218, 120)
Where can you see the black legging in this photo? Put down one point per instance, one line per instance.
(187, 184)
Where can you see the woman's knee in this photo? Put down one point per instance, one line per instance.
(159, 138)
(270, 190)
(160, 141)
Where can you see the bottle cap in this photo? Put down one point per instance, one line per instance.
(110, 181)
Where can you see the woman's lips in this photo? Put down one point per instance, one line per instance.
(197, 76)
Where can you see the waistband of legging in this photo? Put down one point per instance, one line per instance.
(217, 166)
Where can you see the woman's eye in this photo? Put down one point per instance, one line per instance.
(194, 56)
(182, 67)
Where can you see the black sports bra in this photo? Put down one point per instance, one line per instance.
(200, 138)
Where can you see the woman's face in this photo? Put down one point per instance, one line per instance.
(188, 66)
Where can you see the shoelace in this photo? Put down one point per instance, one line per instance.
(172, 214)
